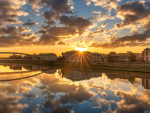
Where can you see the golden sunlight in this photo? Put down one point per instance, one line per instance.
(81, 49)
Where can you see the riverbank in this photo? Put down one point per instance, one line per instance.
(104, 68)
(79, 66)
(27, 63)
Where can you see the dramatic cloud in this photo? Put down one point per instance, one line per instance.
(14, 30)
(62, 31)
(60, 23)
(60, 6)
(133, 40)
(51, 15)
(54, 35)
(9, 12)
(17, 40)
(76, 22)
(132, 13)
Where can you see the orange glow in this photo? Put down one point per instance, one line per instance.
(81, 49)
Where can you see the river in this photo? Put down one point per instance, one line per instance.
(34, 89)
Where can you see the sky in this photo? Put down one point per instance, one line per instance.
(56, 26)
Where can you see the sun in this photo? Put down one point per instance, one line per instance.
(81, 49)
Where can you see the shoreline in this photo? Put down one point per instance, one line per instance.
(81, 67)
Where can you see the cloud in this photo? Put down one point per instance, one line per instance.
(134, 30)
(96, 12)
(10, 104)
(103, 17)
(107, 4)
(53, 35)
(51, 15)
(101, 102)
(132, 13)
(29, 23)
(29, 96)
(63, 110)
(16, 40)
(61, 43)
(76, 22)
(13, 30)
(10, 12)
(24, 29)
(72, 93)
(62, 31)
(60, 6)
(99, 31)
(146, 26)
(74, 97)
(131, 103)
(130, 41)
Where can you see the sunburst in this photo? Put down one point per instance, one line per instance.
(81, 49)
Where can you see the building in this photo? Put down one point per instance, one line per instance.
(96, 57)
(123, 58)
(15, 67)
(77, 56)
(112, 57)
(146, 54)
(48, 56)
(146, 83)
(104, 58)
(138, 56)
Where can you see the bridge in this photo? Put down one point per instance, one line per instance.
(23, 54)
(3, 79)
(6, 76)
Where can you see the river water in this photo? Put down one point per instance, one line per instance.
(54, 90)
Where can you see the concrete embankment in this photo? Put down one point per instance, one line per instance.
(19, 72)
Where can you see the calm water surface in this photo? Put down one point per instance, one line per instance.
(72, 91)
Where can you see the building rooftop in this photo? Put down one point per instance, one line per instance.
(75, 51)
(147, 49)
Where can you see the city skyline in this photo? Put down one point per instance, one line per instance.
(56, 26)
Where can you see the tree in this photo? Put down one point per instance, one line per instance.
(132, 57)
(110, 58)
(61, 59)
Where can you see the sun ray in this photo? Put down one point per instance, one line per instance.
(81, 49)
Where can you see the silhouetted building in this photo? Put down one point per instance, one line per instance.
(15, 67)
(77, 56)
(48, 56)
(15, 56)
(112, 57)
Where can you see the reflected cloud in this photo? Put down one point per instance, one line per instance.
(58, 91)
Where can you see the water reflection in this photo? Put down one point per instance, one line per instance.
(76, 91)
